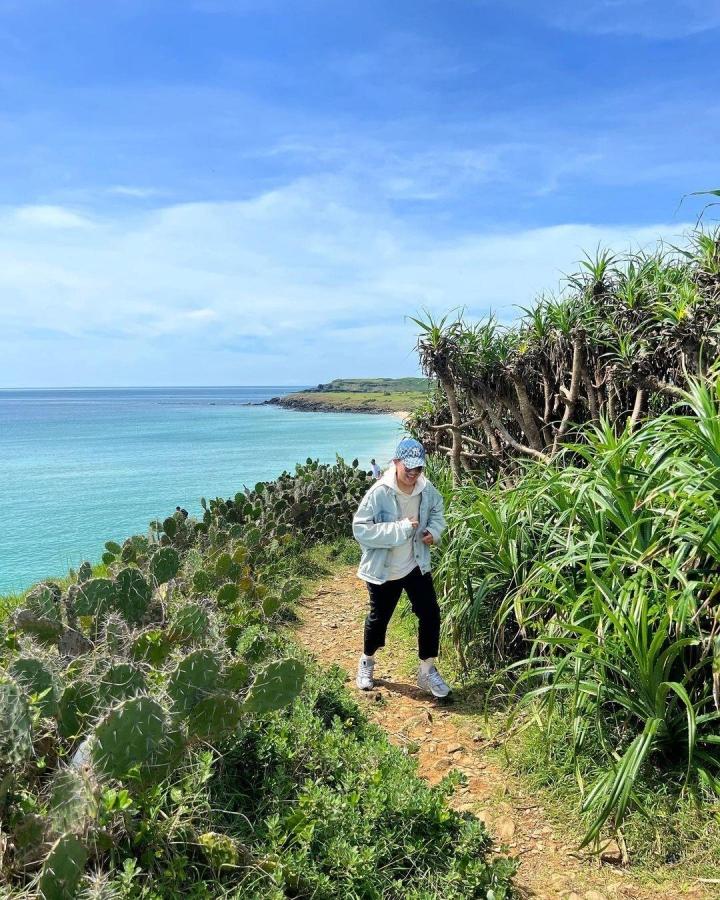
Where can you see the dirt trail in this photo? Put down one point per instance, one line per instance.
(446, 737)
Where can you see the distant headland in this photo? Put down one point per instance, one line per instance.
(359, 395)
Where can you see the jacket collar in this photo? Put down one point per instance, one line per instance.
(389, 479)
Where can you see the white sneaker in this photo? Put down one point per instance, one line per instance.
(433, 683)
(364, 679)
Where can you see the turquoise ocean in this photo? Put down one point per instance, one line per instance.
(80, 467)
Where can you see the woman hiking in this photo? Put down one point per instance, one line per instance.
(398, 520)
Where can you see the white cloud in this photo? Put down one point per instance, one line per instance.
(128, 190)
(300, 284)
(643, 18)
(50, 217)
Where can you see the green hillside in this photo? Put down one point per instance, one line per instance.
(375, 385)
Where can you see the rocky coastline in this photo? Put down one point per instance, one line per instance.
(305, 404)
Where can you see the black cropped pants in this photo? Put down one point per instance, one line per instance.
(383, 600)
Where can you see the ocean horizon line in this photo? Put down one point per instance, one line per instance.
(145, 387)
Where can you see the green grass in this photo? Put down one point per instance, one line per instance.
(377, 385)
(675, 839)
(378, 401)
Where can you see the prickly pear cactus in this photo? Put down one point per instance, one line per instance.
(214, 716)
(164, 564)
(63, 869)
(235, 677)
(30, 841)
(94, 597)
(132, 596)
(115, 634)
(270, 605)
(152, 646)
(135, 735)
(202, 582)
(195, 677)
(291, 591)
(223, 565)
(228, 594)
(72, 806)
(45, 630)
(113, 548)
(189, 625)
(15, 723)
(84, 572)
(76, 705)
(120, 682)
(36, 679)
(276, 685)
(44, 600)
(73, 643)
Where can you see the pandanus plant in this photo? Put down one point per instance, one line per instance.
(591, 584)
(619, 343)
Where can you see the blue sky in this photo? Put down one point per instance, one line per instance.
(259, 191)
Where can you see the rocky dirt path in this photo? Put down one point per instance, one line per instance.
(448, 737)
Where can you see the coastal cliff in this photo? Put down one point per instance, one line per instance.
(373, 395)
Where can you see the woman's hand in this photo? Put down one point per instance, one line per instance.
(428, 539)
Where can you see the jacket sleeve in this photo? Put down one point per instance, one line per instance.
(369, 533)
(436, 517)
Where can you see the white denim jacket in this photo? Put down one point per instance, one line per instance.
(378, 527)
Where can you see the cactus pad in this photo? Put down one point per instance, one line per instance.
(75, 706)
(228, 594)
(133, 735)
(132, 595)
(270, 605)
(44, 629)
(291, 591)
(195, 676)
(94, 597)
(164, 564)
(152, 646)
(15, 723)
(120, 682)
(84, 572)
(202, 582)
(44, 600)
(115, 634)
(190, 624)
(36, 679)
(72, 803)
(214, 716)
(275, 686)
(235, 677)
(63, 869)
(73, 643)
(29, 840)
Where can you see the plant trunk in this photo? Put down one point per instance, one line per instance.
(505, 434)
(637, 408)
(571, 401)
(528, 413)
(455, 459)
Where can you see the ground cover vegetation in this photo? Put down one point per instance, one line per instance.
(160, 735)
(376, 385)
(375, 395)
(582, 477)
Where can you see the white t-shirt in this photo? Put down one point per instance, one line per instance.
(401, 560)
